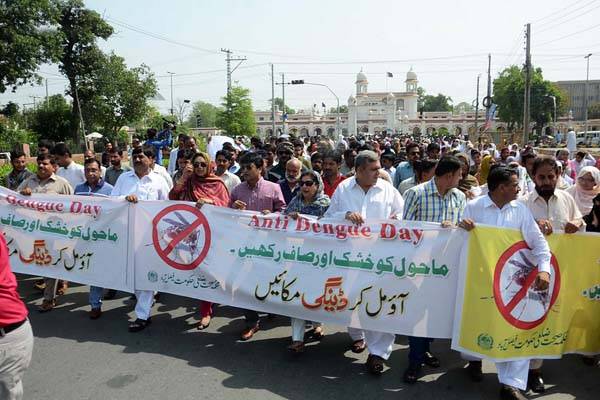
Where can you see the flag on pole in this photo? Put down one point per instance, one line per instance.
(489, 116)
(390, 75)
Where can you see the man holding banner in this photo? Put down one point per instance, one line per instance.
(437, 200)
(356, 199)
(141, 184)
(500, 208)
(46, 181)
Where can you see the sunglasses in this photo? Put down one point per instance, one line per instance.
(200, 164)
(307, 183)
(284, 153)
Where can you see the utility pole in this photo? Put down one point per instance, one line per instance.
(47, 101)
(477, 108)
(526, 104)
(229, 59)
(172, 109)
(283, 113)
(273, 99)
(585, 97)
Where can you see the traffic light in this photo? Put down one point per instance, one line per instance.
(298, 82)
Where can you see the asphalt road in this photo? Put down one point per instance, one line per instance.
(77, 358)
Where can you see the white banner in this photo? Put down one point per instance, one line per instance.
(78, 238)
(386, 275)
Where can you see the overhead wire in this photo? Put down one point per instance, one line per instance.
(558, 18)
(569, 35)
(557, 11)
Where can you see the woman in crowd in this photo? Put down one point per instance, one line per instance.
(468, 181)
(424, 171)
(486, 162)
(199, 184)
(592, 220)
(586, 187)
(309, 201)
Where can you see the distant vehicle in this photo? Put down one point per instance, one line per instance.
(592, 138)
(5, 156)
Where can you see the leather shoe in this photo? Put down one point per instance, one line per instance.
(535, 382)
(139, 324)
(95, 313)
(47, 305)
(412, 373)
(431, 360)
(374, 364)
(474, 371)
(249, 332)
(511, 393)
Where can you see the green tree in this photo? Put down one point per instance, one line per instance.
(116, 95)
(437, 103)
(343, 109)
(204, 113)
(426, 102)
(11, 135)
(10, 110)
(52, 120)
(27, 40)
(237, 116)
(463, 106)
(80, 55)
(279, 104)
(594, 111)
(509, 90)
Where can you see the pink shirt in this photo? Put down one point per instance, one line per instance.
(264, 195)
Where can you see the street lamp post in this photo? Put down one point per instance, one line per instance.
(553, 119)
(172, 110)
(585, 97)
(337, 123)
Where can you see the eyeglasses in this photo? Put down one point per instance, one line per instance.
(200, 164)
(307, 183)
(584, 179)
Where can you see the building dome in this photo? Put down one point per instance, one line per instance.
(411, 76)
(361, 77)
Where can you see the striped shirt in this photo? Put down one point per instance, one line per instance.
(424, 203)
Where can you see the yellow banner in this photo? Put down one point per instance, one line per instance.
(503, 317)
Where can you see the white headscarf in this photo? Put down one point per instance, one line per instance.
(584, 198)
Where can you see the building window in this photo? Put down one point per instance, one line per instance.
(261, 118)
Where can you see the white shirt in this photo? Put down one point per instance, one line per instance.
(150, 187)
(230, 180)
(560, 209)
(172, 161)
(513, 215)
(381, 201)
(162, 171)
(73, 173)
(571, 141)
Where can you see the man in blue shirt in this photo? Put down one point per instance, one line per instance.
(158, 143)
(94, 185)
(405, 169)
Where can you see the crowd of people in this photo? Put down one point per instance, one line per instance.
(450, 181)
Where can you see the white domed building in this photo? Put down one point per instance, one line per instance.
(378, 112)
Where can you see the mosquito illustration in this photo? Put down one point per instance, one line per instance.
(189, 243)
(519, 278)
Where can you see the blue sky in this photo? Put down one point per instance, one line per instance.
(445, 42)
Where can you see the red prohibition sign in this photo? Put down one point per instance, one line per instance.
(528, 279)
(182, 233)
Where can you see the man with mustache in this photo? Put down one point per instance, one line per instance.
(290, 184)
(553, 209)
(141, 184)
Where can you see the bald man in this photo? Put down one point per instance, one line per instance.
(290, 184)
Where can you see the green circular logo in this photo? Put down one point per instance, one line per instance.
(152, 276)
(485, 341)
